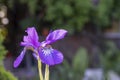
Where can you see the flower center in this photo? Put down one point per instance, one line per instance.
(47, 50)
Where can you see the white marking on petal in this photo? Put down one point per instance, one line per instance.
(47, 51)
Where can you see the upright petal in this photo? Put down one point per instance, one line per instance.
(32, 33)
(51, 57)
(55, 35)
(31, 39)
(19, 58)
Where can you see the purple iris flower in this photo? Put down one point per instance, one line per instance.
(47, 54)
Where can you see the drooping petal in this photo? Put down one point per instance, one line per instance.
(55, 35)
(50, 56)
(31, 39)
(19, 58)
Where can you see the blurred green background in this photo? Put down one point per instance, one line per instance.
(93, 39)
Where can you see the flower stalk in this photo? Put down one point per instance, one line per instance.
(40, 69)
(47, 72)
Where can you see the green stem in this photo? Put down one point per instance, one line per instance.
(39, 68)
(47, 72)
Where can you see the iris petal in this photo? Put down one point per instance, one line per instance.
(55, 35)
(32, 33)
(31, 39)
(19, 58)
(51, 57)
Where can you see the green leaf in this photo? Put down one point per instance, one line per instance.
(80, 60)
